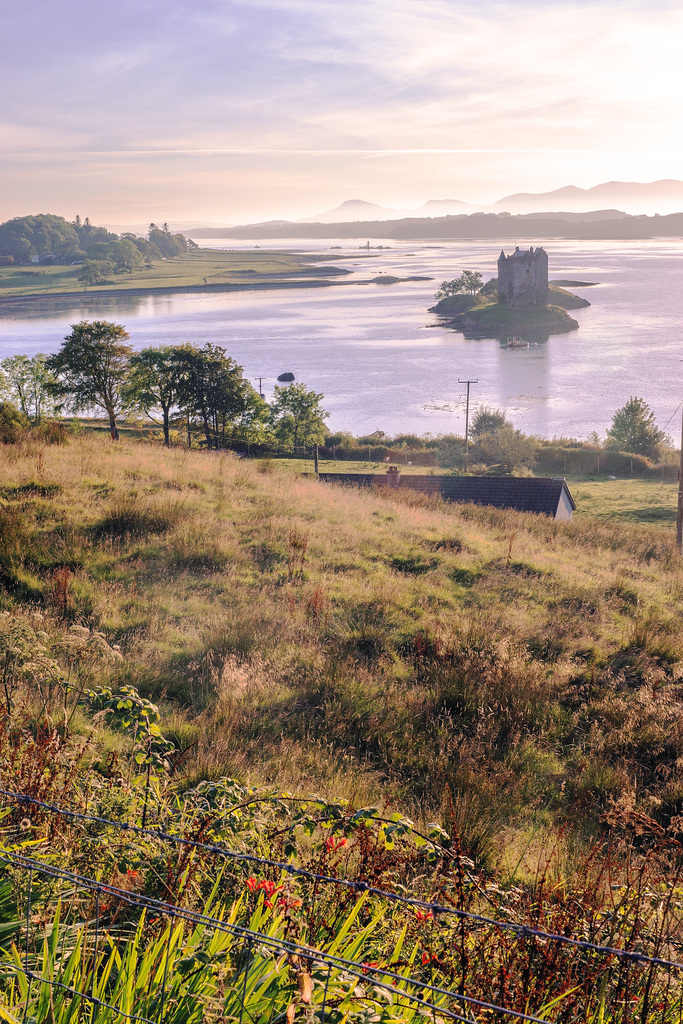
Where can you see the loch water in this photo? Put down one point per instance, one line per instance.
(384, 362)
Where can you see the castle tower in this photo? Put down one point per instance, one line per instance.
(523, 277)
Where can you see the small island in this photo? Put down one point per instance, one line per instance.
(520, 301)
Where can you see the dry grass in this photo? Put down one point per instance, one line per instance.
(356, 642)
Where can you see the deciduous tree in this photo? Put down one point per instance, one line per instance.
(155, 383)
(634, 429)
(298, 417)
(95, 272)
(213, 391)
(91, 368)
(29, 383)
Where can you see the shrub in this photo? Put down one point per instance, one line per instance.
(506, 447)
(487, 421)
(52, 432)
(13, 423)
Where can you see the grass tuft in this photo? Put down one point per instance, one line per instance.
(130, 517)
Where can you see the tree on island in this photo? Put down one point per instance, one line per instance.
(470, 282)
(634, 429)
(91, 368)
(297, 415)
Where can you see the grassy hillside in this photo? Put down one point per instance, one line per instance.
(348, 641)
(509, 680)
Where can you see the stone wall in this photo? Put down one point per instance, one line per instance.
(523, 277)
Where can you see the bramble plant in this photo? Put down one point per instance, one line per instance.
(136, 716)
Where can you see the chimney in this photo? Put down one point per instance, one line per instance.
(393, 476)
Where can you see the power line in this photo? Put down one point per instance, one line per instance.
(672, 415)
(467, 419)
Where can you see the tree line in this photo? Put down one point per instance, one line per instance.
(57, 240)
(201, 391)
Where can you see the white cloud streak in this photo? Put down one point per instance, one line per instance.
(588, 88)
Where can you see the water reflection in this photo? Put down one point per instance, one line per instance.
(382, 361)
(89, 307)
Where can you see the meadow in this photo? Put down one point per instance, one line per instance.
(345, 616)
(200, 268)
(506, 686)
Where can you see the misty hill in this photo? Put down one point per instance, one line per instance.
(478, 225)
(359, 210)
(610, 200)
(635, 196)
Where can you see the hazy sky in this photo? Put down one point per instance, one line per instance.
(216, 110)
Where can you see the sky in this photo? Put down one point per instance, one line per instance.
(217, 111)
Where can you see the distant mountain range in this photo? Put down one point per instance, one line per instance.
(631, 196)
(358, 209)
(597, 209)
(626, 196)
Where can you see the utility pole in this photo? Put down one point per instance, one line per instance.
(260, 385)
(467, 419)
(679, 517)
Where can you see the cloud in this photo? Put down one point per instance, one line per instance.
(362, 80)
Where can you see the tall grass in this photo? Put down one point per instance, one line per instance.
(375, 641)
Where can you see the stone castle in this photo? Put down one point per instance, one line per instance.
(523, 277)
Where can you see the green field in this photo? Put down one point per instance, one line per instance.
(206, 268)
(627, 501)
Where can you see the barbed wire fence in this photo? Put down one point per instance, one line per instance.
(255, 958)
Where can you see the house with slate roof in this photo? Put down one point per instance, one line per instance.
(547, 496)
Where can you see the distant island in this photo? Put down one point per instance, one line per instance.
(607, 224)
(521, 301)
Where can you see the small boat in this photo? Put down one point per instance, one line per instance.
(517, 343)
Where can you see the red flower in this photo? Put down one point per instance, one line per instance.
(368, 964)
(269, 887)
(131, 873)
(424, 915)
(426, 957)
(289, 902)
(333, 844)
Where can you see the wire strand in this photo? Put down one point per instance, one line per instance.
(352, 967)
(521, 930)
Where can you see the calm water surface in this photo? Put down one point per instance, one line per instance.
(382, 361)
